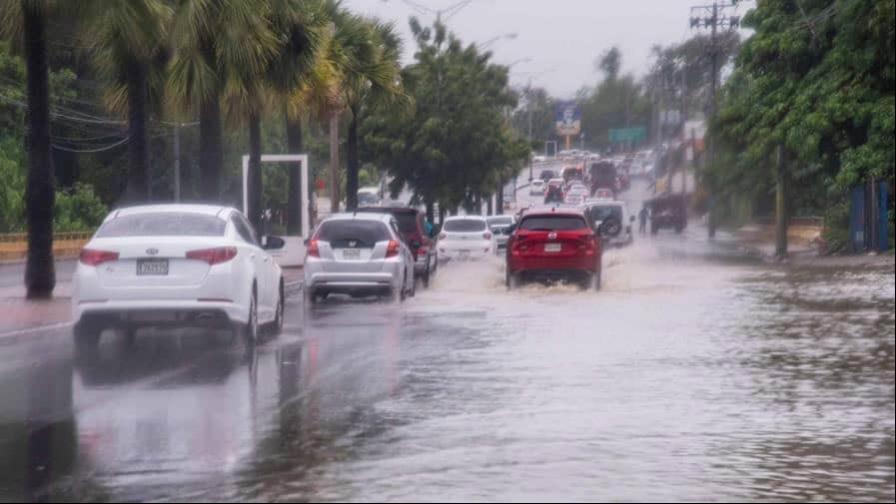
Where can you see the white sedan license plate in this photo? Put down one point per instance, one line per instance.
(464, 254)
(552, 247)
(152, 267)
(351, 254)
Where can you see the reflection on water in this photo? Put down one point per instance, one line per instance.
(689, 377)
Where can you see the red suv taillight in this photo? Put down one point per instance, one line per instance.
(313, 249)
(214, 255)
(517, 245)
(587, 245)
(392, 248)
(422, 250)
(93, 257)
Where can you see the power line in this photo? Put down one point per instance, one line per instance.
(98, 149)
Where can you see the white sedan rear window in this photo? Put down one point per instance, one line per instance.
(465, 225)
(163, 224)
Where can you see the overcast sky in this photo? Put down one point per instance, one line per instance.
(561, 37)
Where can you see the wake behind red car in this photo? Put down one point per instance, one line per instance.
(554, 244)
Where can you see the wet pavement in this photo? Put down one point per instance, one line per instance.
(695, 375)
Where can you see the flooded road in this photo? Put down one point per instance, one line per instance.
(694, 375)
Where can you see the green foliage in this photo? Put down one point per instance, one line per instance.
(12, 190)
(78, 209)
(818, 80)
(836, 227)
(453, 142)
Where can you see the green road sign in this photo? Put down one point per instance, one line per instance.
(633, 134)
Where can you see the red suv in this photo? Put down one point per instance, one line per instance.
(412, 227)
(554, 244)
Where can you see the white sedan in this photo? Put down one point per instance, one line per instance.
(466, 237)
(176, 265)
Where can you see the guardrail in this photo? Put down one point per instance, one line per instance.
(14, 246)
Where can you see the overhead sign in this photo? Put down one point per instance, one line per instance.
(568, 118)
(633, 134)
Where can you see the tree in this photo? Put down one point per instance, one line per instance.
(451, 144)
(372, 79)
(28, 18)
(130, 54)
(610, 62)
(616, 102)
(217, 43)
(299, 66)
(816, 80)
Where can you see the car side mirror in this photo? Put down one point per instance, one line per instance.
(272, 242)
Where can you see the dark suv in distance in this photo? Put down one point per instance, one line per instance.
(413, 231)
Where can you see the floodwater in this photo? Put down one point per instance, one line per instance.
(694, 375)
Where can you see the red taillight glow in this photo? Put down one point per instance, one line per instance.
(214, 255)
(487, 235)
(587, 245)
(313, 249)
(392, 248)
(92, 257)
(422, 251)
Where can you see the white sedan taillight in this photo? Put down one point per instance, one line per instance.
(214, 255)
(92, 257)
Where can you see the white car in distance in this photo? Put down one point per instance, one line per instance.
(466, 237)
(536, 187)
(176, 265)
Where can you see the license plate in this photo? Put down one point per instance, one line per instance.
(552, 247)
(152, 266)
(351, 254)
(464, 254)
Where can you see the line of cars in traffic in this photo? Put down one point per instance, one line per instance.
(180, 265)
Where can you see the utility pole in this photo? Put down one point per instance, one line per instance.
(713, 17)
(529, 109)
(780, 206)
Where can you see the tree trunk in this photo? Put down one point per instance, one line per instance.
(781, 220)
(352, 162)
(442, 212)
(211, 151)
(499, 200)
(334, 162)
(294, 196)
(138, 152)
(488, 205)
(40, 272)
(254, 175)
(430, 210)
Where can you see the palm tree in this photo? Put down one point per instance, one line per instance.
(298, 71)
(218, 43)
(27, 19)
(374, 79)
(365, 54)
(130, 54)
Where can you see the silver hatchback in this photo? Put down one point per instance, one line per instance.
(360, 255)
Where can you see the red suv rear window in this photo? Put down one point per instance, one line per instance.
(552, 222)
